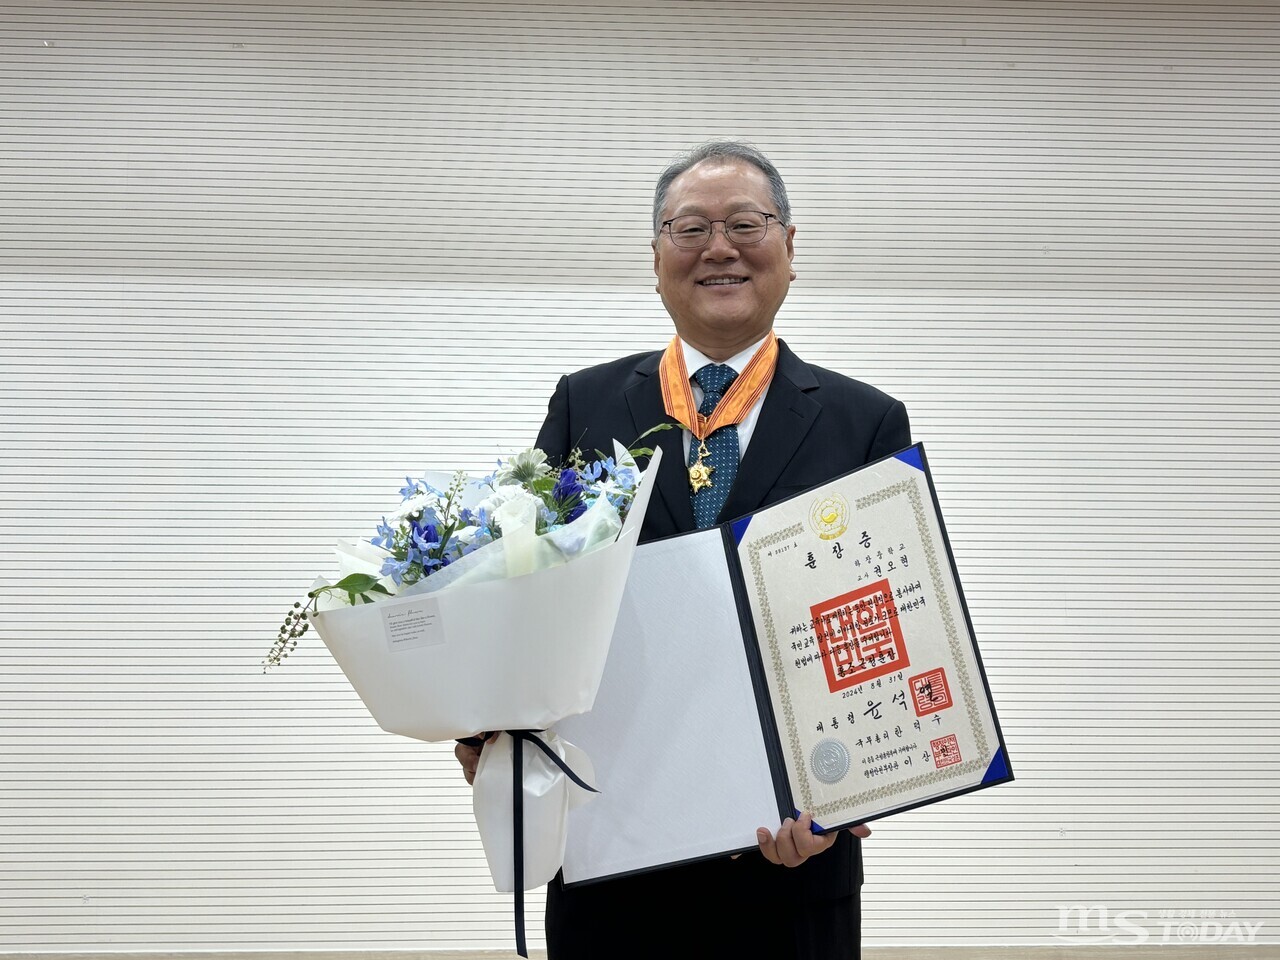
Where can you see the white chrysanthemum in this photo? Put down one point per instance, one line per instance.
(500, 495)
(419, 501)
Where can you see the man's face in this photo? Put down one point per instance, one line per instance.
(723, 297)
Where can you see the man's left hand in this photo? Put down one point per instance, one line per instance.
(796, 842)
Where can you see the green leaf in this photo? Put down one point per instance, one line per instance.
(358, 582)
(355, 586)
(654, 429)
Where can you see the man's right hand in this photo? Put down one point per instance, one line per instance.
(469, 756)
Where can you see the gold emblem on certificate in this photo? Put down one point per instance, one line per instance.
(829, 516)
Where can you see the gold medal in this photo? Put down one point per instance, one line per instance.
(700, 472)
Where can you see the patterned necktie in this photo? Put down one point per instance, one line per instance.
(722, 446)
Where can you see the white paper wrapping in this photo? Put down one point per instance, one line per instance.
(549, 795)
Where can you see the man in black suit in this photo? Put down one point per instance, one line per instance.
(767, 425)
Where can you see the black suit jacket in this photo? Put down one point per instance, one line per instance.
(814, 425)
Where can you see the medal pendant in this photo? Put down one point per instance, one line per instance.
(700, 472)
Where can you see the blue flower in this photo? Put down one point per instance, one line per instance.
(625, 477)
(395, 569)
(567, 485)
(484, 533)
(598, 468)
(425, 537)
(386, 537)
(567, 495)
(424, 516)
(410, 489)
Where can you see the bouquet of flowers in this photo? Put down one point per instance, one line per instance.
(452, 621)
(438, 524)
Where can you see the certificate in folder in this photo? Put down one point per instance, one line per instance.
(816, 655)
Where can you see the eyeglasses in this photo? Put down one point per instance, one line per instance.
(741, 228)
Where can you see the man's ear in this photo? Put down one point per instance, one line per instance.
(791, 249)
(656, 257)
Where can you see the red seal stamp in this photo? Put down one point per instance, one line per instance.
(930, 692)
(858, 636)
(945, 751)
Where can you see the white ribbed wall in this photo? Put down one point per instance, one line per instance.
(259, 260)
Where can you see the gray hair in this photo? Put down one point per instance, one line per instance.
(722, 150)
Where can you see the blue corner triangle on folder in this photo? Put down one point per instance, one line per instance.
(911, 456)
(997, 770)
(739, 528)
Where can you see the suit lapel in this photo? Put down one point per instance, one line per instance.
(644, 398)
(785, 419)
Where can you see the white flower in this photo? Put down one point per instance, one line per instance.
(524, 467)
(501, 494)
(464, 535)
(609, 488)
(419, 501)
(518, 508)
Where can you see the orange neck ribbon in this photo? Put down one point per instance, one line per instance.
(677, 394)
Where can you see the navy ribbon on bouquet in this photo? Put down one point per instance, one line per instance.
(517, 818)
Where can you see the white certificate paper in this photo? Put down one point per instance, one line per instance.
(873, 675)
(813, 656)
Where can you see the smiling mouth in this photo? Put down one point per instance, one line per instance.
(723, 282)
